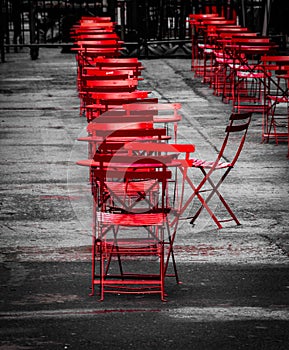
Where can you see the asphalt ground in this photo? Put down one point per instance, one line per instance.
(235, 281)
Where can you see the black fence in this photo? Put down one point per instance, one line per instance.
(156, 27)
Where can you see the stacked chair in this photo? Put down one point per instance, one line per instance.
(135, 197)
(244, 69)
(104, 79)
(139, 173)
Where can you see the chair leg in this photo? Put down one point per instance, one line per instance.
(214, 190)
(162, 273)
(101, 274)
(93, 252)
(93, 266)
(171, 253)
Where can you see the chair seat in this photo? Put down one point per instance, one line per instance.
(154, 219)
(209, 164)
(139, 247)
(278, 99)
(131, 188)
(254, 75)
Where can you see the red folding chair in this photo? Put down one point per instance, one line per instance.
(276, 118)
(164, 113)
(91, 88)
(110, 133)
(182, 158)
(97, 74)
(227, 157)
(129, 223)
(104, 101)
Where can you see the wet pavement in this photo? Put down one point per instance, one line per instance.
(235, 281)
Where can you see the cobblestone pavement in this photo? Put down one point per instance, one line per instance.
(235, 291)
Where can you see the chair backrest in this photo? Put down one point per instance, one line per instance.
(119, 98)
(155, 107)
(120, 175)
(116, 85)
(135, 133)
(133, 71)
(161, 148)
(97, 74)
(117, 62)
(230, 35)
(250, 40)
(111, 122)
(97, 36)
(236, 132)
(98, 43)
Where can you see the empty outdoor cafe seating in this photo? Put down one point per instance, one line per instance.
(143, 179)
(245, 69)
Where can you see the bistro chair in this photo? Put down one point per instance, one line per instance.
(165, 114)
(93, 64)
(276, 118)
(129, 224)
(233, 143)
(108, 134)
(101, 75)
(182, 160)
(101, 102)
(91, 88)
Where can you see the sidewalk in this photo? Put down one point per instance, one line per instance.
(235, 291)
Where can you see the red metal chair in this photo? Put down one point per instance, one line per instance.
(110, 85)
(131, 63)
(225, 161)
(91, 88)
(163, 113)
(97, 74)
(129, 226)
(104, 101)
(182, 157)
(276, 118)
(94, 64)
(108, 134)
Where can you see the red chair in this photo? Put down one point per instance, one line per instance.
(129, 223)
(97, 36)
(110, 133)
(182, 158)
(97, 74)
(91, 89)
(110, 85)
(94, 64)
(118, 63)
(276, 118)
(225, 161)
(247, 75)
(91, 45)
(103, 101)
(163, 113)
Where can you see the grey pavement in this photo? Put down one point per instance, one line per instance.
(235, 281)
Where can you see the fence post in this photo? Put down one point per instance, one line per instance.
(34, 50)
(3, 15)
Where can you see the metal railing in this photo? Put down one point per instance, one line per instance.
(142, 24)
